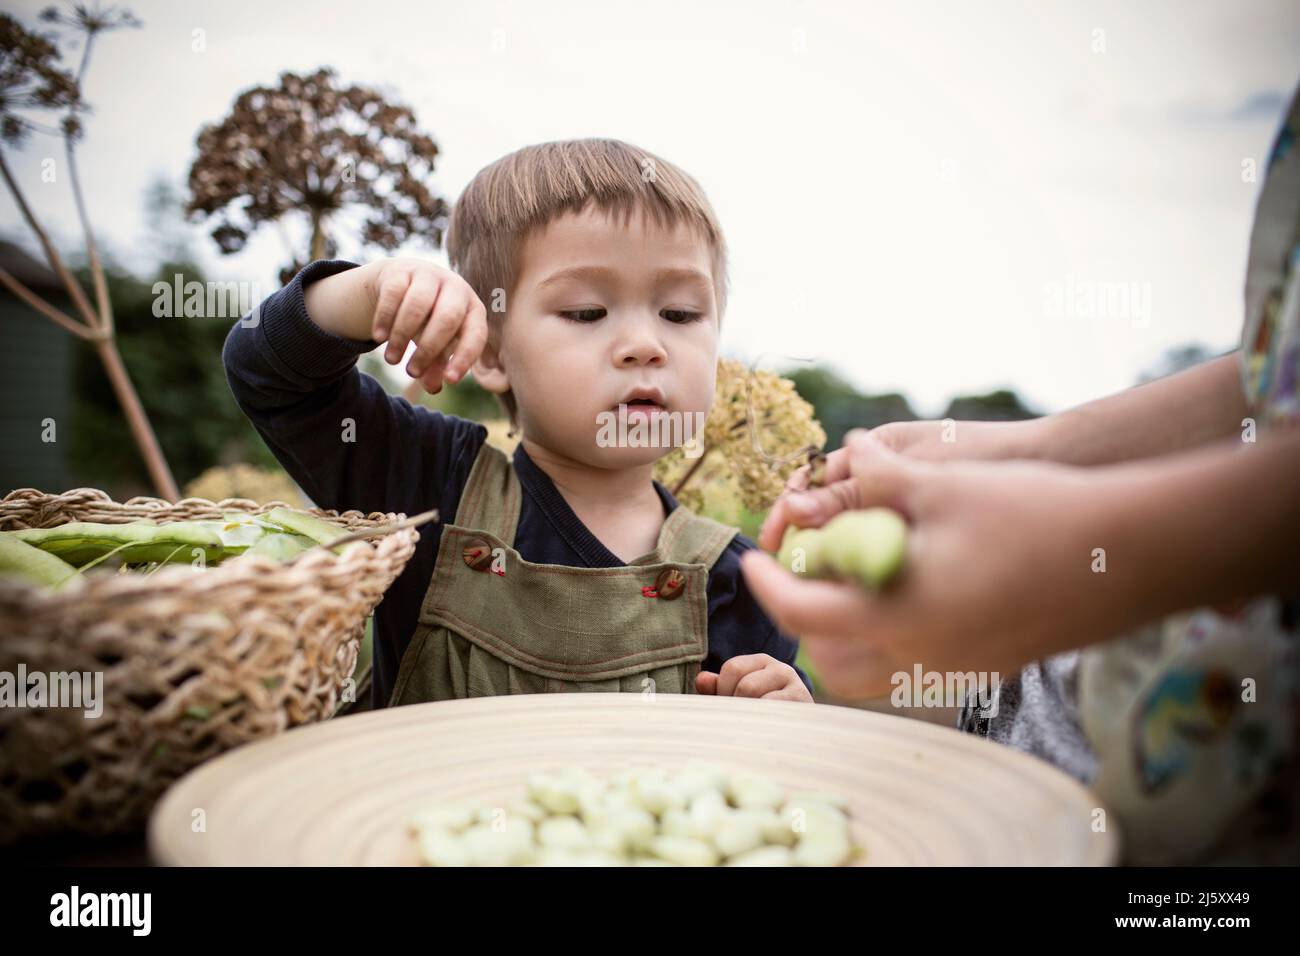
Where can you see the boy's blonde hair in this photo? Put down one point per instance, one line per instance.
(531, 187)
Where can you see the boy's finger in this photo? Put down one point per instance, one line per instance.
(432, 380)
(706, 682)
(761, 682)
(469, 344)
(438, 331)
(736, 669)
(411, 315)
(435, 376)
(390, 297)
(789, 692)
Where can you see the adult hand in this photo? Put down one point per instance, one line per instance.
(999, 569)
(924, 440)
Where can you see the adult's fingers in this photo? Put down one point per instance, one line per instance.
(877, 476)
(836, 467)
(801, 606)
(852, 670)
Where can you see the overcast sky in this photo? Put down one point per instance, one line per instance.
(928, 196)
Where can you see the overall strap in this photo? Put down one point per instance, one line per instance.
(689, 538)
(492, 495)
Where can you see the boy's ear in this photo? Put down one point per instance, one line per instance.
(488, 370)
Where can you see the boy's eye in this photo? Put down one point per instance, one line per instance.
(584, 315)
(593, 315)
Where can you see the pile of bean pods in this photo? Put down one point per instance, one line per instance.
(701, 815)
(58, 557)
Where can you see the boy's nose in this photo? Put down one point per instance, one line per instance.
(640, 346)
(644, 354)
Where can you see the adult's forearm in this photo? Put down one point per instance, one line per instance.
(1195, 407)
(1210, 527)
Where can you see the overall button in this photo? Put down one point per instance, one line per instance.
(670, 583)
(477, 554)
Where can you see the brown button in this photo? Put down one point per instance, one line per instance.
(670, 584)
(477, 554)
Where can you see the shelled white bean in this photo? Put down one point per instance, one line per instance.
(701, 815)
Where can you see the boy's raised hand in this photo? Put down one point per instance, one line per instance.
(421, 302)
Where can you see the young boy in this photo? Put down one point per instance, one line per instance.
(566, 568)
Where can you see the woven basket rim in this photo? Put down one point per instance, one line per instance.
(32, 497)
(181, 577)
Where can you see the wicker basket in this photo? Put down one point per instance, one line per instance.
(193, 663)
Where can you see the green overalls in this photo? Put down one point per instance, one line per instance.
(492, 623)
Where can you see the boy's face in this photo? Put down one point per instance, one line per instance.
(600, 311)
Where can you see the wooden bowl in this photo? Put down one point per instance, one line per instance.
(341, 793)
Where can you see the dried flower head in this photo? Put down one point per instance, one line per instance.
(30, 79)
(309, 145)
(758, 432)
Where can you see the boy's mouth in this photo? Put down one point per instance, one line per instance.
(643, 401)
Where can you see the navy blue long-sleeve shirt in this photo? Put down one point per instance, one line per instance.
(298, 383)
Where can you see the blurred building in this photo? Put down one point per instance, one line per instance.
(36, 374)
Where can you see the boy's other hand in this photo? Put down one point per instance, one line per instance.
(753, 675)
(418, 301)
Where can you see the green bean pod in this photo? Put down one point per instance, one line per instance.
(29, 563)
(866, 547)
(281, 546)
(138, 542)
(319, 530)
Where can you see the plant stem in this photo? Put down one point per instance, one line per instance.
(92, 249)
(75, 291)
(43, 307)
(677, 488)
(699, 461)
(141, 430)
(317, 250)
